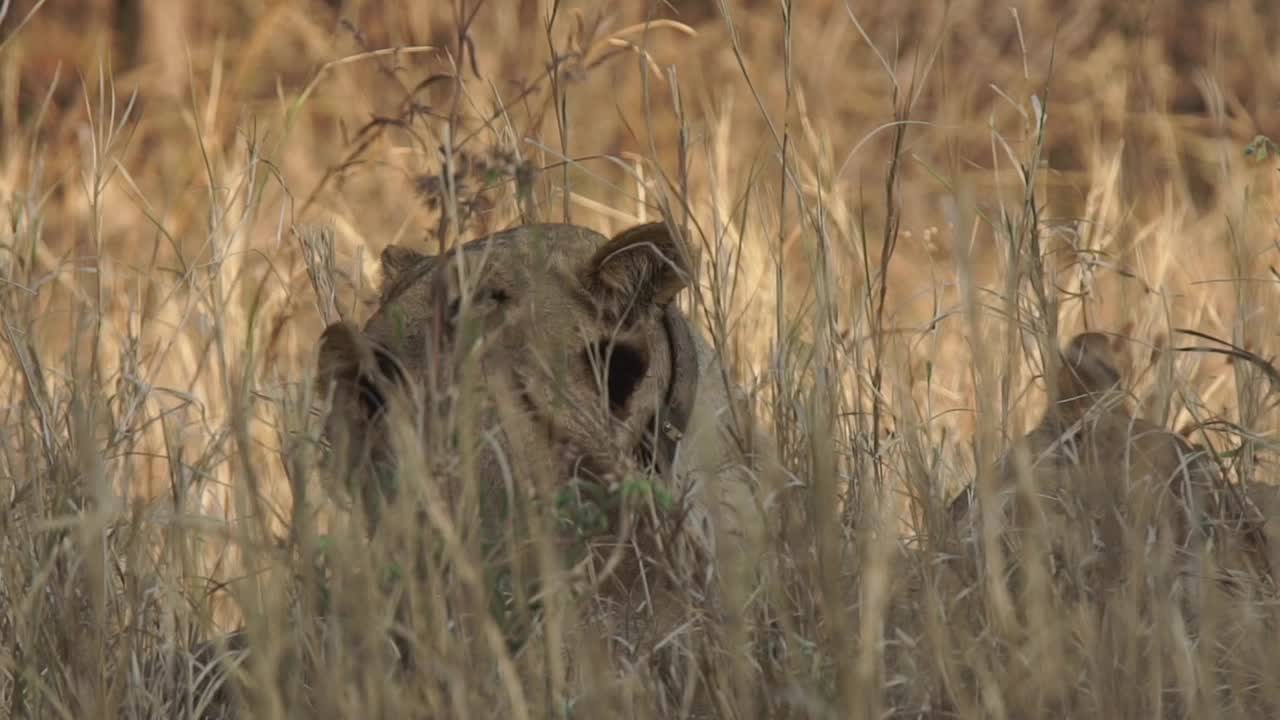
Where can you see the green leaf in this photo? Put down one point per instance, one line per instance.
(1261, 148)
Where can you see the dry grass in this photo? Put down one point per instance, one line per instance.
(898, 208)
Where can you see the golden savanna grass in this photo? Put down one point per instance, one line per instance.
(897, 209)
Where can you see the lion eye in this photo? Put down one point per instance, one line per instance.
(486, 296)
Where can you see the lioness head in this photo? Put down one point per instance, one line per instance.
(570, 339)
(1088, 371)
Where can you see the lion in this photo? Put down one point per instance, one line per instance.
(540, 360)
(1114, 480)
(584, 363)
(582, 352)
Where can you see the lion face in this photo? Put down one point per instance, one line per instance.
(543, 351)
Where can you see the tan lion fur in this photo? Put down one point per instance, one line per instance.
(572, 345)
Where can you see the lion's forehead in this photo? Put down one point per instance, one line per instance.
(531, 250)
(537, 258)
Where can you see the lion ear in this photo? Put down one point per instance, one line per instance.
(355, 369)
(642, 265)
(396, 260)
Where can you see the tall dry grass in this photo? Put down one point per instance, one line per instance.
(898, 209)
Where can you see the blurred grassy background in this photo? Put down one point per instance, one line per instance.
(853, 172)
